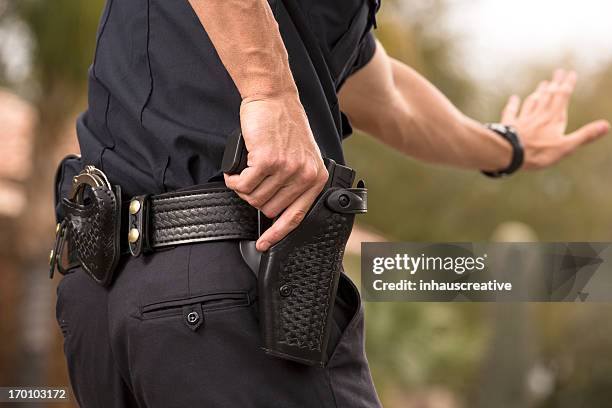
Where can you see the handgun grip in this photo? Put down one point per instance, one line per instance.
(235, 154)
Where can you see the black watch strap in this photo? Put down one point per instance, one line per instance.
(510, 134)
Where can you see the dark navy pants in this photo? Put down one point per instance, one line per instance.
(130, 345)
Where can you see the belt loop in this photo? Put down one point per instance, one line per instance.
(138, 225)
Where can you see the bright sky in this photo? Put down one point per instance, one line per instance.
(500, 33)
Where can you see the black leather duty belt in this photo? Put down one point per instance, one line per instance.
(99, 227)
(201, 215)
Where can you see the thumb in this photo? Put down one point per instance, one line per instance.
(588, 133)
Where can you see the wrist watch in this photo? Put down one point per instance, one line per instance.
(511, 135)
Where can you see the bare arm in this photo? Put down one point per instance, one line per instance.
(407, 112)
(285, 170)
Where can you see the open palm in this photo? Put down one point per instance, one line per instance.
(541, 122)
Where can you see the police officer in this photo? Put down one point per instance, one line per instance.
(170, 81)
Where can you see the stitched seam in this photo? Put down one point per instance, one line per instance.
(178, 240)
(106, 114)
(102, 30)
(158, 212)
(331, 387)
(127, 383)
(178, 195)
(196, 224)
(144, 106)
(195, 240)
(199, 214)
(189, 271)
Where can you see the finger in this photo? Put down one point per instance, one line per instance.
(281, 200)
(559, 76)
(531, 102)
(546, 96)
(561, 99)
(586, 134)
(511, 110)
(288, 221)
(246, 181)
(266, 190)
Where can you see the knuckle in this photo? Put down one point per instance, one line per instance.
(295, 218)
(268, 162)
(270, 212)
(292, 167)
(275, 235)
(309, 175)
(267, 212)
(322, 176)
(282, 163)
(263, 162)
(240, 187)
(255, 201)
(231, 184)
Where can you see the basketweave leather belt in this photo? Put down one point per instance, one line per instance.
(213, 213)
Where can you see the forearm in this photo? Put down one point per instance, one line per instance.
(247, 39)
(426, 125)
(285, 172)
(408, 113)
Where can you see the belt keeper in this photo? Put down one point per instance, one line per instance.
(138, 225)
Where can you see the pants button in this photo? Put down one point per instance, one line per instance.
(193, 316)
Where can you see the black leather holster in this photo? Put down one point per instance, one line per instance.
(298, 277)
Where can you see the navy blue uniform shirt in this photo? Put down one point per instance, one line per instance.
(161, 103)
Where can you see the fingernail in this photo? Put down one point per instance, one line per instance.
(604, 127)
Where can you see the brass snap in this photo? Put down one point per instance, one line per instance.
(51, 256)
(57, 227)
(134, 207)
(133, 235)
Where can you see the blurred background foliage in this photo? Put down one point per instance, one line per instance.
(421, 355)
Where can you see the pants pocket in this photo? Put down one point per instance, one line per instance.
(193, 308)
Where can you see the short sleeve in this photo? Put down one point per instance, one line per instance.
(365, 55)
(367, 48)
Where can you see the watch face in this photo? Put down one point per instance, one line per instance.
(498, 127)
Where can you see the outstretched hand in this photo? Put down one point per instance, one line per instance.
(541, 122)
